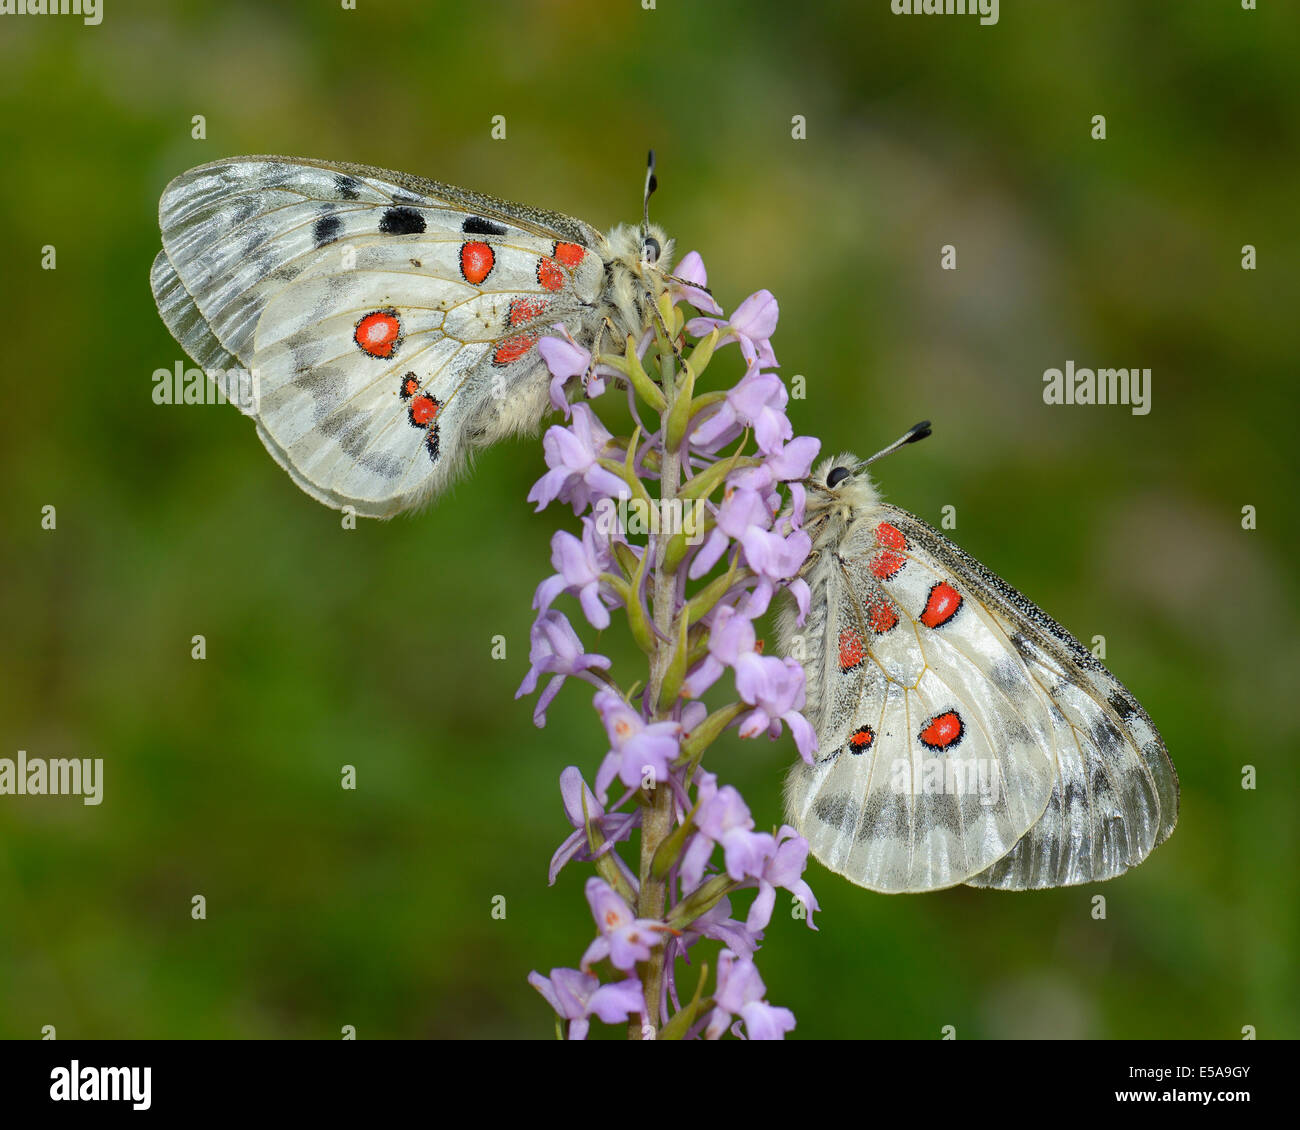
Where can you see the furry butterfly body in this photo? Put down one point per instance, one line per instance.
(389, 323)
(965, 736)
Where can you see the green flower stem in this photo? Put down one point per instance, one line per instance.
(657, 817)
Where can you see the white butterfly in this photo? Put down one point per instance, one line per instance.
(965, 736)
(389, 322)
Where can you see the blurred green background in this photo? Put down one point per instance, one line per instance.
(372, 647)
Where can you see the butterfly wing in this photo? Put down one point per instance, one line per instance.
(930, 767)
(1071, 781)
(388, 322)
(1115, 792)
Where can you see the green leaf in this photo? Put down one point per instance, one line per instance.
(675, 675)
(679, 1025)
(646, 389)
(708, 731)
(680, 542)
(706, 482)
(703, 899)
(702, 603)
(668, 851)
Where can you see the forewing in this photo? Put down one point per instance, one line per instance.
(935, 742)
(342, 288)
(1114, 794)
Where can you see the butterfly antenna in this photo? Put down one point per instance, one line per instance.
(651, 183)
(915, 432)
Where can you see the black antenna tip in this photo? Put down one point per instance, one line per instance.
(917, 431)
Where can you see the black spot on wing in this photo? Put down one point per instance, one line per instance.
(837, 811)
(477, 225)
(349, 188)
(1107, 737)
(402, 221)
(1020, 732)
(1007, 676)
(1075, 793)
(1124, 708)
(324, 386)
(253, 244)
(327, 230)
(887, 814)
(352, 434)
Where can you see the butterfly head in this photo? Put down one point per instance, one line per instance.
(643, 251)
(838, 492)
(636, 267)
(840, 489)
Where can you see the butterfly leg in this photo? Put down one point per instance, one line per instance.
(606, 327)
(659, 321)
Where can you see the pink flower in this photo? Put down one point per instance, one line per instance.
(556, 650)
(691, 270)
(741, 991)
(782, 867)
(741, 511)
(638, 746)
(758, 401)
(571, 453)
(775, 688)
(752, 325)
(579, 566)
(624, 938)
(575, 996)
(613, 827)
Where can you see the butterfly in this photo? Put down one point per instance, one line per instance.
(379, 327)
(965, 736)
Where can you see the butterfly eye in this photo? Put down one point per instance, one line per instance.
(837, 476)
(650, 250)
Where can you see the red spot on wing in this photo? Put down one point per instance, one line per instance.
(852, 651)
(410, 386)
(378, 333)
(423, 410)
(942, 731)
(549, 273)
(514, 348)
(882, 616)
(862, 739)
(476, 261)
(525, 310)
(941, 606)
(885, 563)
(891, 536)
(570, 254)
